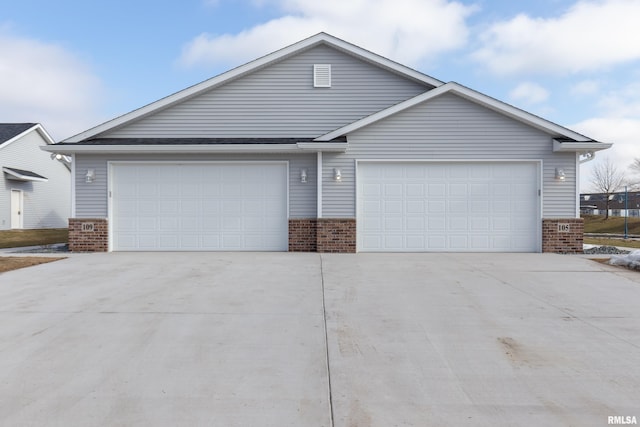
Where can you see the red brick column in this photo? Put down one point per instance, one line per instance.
(88, 235)
(303, 235)
(562, 235)
(336, 235)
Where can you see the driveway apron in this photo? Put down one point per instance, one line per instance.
(164, 339)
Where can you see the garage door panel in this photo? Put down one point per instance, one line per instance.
(448, 206)
(458, 223)
(415, 241)
(436, 190)
(436, 223)
(415, 223)
(415, 207)
(459, 242)
(415, 190)
(199, 206)
(436, 207)
(458, 190)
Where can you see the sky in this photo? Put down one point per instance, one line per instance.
(73, 64)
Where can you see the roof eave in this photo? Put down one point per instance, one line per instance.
(20, 177)
(579, 146)
(197, 148)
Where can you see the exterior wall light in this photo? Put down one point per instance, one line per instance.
(90, 176)
(337, 175)
(560, 176)
(303, 175)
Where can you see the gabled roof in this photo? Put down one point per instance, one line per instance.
(473, 96)
(318, 39)
(11, 132)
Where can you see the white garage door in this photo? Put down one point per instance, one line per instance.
(199, 206)
(466, 207)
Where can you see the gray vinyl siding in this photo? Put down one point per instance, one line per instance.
(450, 128)
(91, 198)
(45, 204)
(280, 101)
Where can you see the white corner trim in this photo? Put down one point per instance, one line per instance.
(319, 184)
(468, 94)
(253, 66)
(73, 186)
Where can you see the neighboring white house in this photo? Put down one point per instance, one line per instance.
(324, 146)
(35, 185)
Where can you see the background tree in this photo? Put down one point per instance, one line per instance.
(607, 178)
(634, 168)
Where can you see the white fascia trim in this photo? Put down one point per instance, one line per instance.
(198, 148)
(468, 94)
(252, 66)
(579, 147)
(333, 147)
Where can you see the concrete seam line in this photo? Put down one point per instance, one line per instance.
(326, 342)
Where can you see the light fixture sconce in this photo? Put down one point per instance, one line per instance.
(90, 176)
(56, 156)
(560, 176)
(337, 175)
(303, 175)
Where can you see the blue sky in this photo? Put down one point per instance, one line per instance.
(71, 65)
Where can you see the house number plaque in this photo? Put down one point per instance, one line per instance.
(87, 226)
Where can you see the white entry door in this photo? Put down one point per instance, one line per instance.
(448, 207)
(199, 206)
(16, 209)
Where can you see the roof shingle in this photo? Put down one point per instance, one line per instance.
(9, 130)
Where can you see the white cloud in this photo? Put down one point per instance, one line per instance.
(591, 35)
(408, 31)
(43, 82)
(530, 93)
(623, 102)
(586, 87)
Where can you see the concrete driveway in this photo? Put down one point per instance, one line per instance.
(279, 339)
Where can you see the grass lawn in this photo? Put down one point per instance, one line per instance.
(17, 238)
(612, 242)
(14, 262)
(613, 225)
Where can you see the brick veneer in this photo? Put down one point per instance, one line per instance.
(566, 242)
(328, 235)
(336, 235)
(303, 235)
(88, 241)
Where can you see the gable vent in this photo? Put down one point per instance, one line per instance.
(322, 75)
